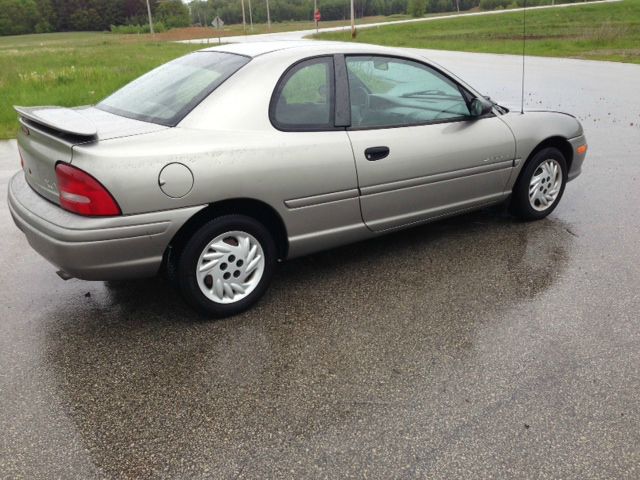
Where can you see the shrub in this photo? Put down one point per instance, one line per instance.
(417, 8)
(17, 17)
(494, 4)
(43, 27)
(158, 27)
(174, 14)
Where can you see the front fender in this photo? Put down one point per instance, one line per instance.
(532, 129)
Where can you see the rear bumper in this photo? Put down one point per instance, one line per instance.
(92, 248)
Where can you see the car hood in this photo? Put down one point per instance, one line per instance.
(543, 124)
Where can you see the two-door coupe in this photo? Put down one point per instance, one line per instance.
(219, 164)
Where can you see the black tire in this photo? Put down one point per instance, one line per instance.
(185, 260)
(520, 204)
(171, 267)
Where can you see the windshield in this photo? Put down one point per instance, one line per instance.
(165, 95)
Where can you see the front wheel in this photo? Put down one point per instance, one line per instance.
(226, 266)
(541, 185)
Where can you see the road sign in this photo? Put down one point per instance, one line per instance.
(217, 23)
(317, 15)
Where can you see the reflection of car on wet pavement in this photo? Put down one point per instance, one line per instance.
(447, 283)
(199, 167)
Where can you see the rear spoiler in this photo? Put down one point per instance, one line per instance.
(59, 119)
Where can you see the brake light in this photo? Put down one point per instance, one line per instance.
(81, 193)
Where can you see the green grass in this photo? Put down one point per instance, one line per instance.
(71, 69)
(597, 32)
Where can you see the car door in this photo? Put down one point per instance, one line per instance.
(419, 154)
(314, 171)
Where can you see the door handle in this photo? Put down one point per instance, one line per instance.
(376, 153)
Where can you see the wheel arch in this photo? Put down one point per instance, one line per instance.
(559, 142)
(260, 211)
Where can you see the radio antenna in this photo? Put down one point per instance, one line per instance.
(524, 43)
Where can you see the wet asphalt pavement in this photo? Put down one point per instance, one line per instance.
(477, 347)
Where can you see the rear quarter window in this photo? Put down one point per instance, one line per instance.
(303, 99)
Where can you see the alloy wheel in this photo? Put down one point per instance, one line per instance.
(545, 185)
(230, 267)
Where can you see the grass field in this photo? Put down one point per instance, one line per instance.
(596, 32)
(71, 69)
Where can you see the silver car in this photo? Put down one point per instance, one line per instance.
(219, 164)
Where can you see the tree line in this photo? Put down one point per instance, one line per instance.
(203, 11)
(40, 16)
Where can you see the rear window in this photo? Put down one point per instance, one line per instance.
(168, 93)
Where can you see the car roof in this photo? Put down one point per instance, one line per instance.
(255, 49)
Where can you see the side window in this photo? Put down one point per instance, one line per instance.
(391, 92)
(303, 99)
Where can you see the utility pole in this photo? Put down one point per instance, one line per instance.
(250, 16)
(150, 19)
(458, 5)
(315, 9)
(268, 17)
(353, 22)
(244, 22)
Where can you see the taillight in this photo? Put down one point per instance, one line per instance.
(81, 193)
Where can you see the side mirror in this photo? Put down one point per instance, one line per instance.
(479, 107)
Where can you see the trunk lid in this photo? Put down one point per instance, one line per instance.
(48, 134)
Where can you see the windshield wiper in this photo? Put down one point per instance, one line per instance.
(432, 93)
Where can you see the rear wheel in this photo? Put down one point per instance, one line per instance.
(541, 185)
(226, 266)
